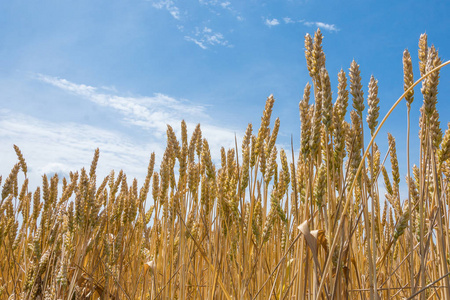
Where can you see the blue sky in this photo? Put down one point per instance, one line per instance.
(77, 75)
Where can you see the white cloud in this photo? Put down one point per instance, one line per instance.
(168, 5)
(151, 114)
(148, 112)
(52, 148)
(225, 5)
(288, 20)
(207, 37)
(55, 147)
(273, 22)
(324, 26)
(202, 38)
(199, 43)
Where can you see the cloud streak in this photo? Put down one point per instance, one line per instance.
(271, 23)
(147, 112)
(60, 147)
(203, 37)
(206, 37)
(321, 25)
(151, 114)
(51, 147)
(168, 5)
(225, 5)
(288, 20)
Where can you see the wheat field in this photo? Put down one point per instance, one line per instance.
(263, 223)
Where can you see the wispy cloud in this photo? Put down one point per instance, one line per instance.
(60, 147)
(146, 112)
(226, 5)
(151, 114)
(288, 20)
(223, 4)
(207, 37)
(51, 147)
(196, 41)
(273, 22)
(204, 38)
(324, 26)
(169, 5)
